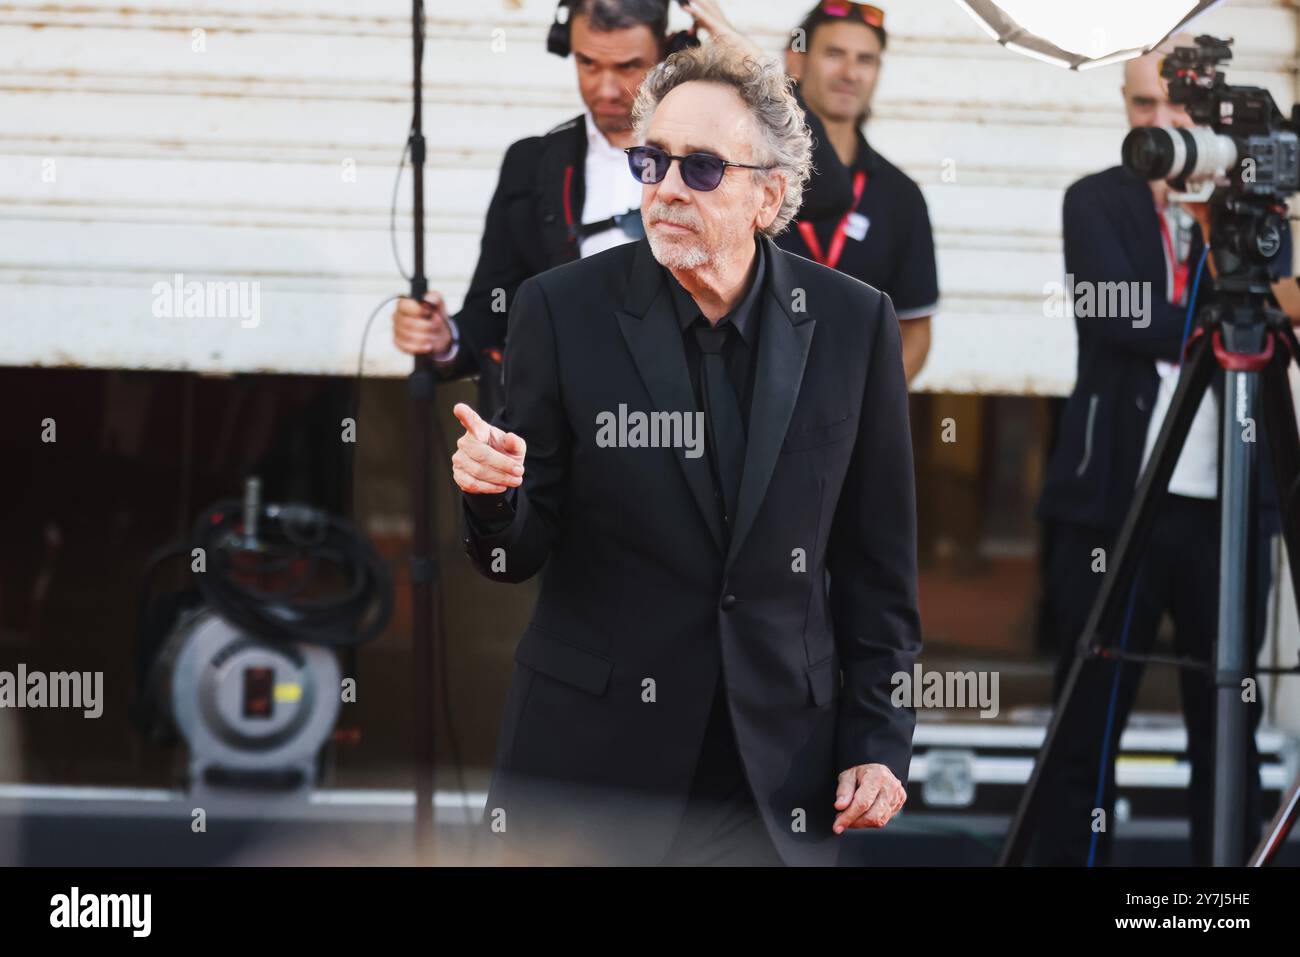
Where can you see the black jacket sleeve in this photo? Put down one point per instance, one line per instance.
(515, 550)
(871, 558)
(508, 254)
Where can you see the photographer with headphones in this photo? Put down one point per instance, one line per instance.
(567, 194)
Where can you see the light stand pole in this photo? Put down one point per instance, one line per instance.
(424, 564)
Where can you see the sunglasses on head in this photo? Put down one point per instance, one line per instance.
(842, 8)
(700, 171)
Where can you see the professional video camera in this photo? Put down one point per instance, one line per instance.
(1243, 156)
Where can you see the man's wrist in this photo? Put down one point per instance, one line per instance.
(452, 350)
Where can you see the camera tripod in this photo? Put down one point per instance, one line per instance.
(1254, 344)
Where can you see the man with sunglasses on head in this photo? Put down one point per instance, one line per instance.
(566, 195)
(698, 428)
(885, 238)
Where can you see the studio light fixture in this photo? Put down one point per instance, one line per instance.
(1083, 34)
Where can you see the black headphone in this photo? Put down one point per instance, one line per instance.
(558, 37)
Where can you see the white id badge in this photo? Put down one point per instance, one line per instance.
(856, 226)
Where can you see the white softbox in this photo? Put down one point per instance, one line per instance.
(1082, 34)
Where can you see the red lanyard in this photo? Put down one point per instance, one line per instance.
(837, 239)
(1181, 269)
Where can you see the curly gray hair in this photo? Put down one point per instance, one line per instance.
(784, 140)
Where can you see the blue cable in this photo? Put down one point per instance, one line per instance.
(1110, 724)
(1191, 302)
(1132, 598)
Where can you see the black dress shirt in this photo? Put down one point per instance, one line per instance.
(741, 351)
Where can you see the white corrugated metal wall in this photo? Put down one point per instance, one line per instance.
(256, 142)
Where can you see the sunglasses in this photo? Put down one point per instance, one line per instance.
(702, 172)
(874, 16)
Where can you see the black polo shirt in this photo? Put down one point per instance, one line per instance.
(896, 253)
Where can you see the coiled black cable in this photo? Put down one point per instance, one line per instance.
(352, 613)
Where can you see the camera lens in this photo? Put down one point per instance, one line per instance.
(1149, 152)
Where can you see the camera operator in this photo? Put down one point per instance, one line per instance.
(885, 239)
(1120, 229)
(567, 195)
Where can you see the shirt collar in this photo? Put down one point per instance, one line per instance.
(596, 140)
(742, 317)
(867, 158)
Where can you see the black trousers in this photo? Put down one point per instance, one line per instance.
(722, 825)
(1179, 574)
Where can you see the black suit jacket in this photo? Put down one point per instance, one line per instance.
(528, 231)
(1112, 234)
(641, 600)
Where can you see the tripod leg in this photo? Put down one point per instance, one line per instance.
(1237, 533)
(1284, 442)
(1279, 828)
(1108, 609)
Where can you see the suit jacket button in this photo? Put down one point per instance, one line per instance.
(728, 602)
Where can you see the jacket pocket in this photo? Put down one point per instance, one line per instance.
(1087, 434)
(823, 677)
(821, 435)
(556, 658)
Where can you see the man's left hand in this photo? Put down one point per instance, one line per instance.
(867, 796)
(709, 15)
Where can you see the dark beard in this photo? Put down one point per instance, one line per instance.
(621, 128)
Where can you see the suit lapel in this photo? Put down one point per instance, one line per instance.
(783, 343)
(649, 325)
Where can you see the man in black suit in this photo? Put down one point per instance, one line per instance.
(698, 428)
(566, 194)
(1122, 231)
